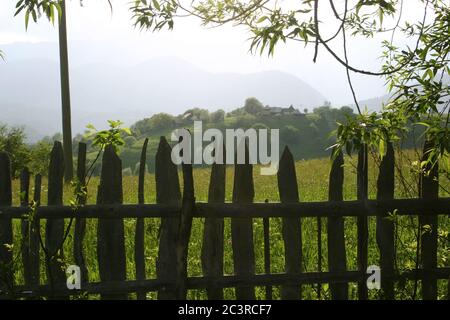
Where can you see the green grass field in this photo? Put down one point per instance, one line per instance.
(312, 177)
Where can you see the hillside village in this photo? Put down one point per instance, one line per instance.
(278, 111)
(266, 111)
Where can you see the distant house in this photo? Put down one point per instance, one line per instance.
(278, 111)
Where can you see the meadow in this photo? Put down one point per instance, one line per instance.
(312, 177)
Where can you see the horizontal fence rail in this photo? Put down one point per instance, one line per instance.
(369, 208)
(226, 281)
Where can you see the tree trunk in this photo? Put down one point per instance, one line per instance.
(65, 94)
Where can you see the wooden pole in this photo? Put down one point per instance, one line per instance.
(65, 94)
(139, 246)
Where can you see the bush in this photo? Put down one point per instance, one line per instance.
(129, 141)
(158, 122)
(259, 125)
(12, 141)
(217, 116)
(253, 106)
(290, 134)
(40, 157)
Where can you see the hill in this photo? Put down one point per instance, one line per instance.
(307, 134)
(30, 91)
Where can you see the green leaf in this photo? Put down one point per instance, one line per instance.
(90, 126)
(127, 131)
(156, 5)
(27, 18)
(33, 13)
(262, 19)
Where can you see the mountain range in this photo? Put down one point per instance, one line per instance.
(30, 93)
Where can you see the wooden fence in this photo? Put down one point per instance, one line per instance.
(177, 210)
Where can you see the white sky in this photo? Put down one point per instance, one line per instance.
(223, 49)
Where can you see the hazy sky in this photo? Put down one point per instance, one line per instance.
(223, 49)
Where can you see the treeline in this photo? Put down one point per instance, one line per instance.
(307, 132)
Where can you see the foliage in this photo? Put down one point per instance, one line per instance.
(157, 122)
(199, 114)
(34, 8)
(111, 136)
(40, 157)
(372, 130)
(129, 141)
(217, 116)
(253, 105)
(12, 141)
(290, 134)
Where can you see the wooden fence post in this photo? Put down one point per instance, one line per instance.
(337, 258)
(54, 228)
(6, 233)
(35, 235)
(140, 225)
(242, 228)
(385, 227)
(80, 223)
(429, 189)
(362, 223)
(266, 229)
(167, 192)
(212, 248)
(24, 225)
(184, 230)
(110, 232)
(292, 234)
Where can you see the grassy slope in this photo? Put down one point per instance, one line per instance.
(312, 176)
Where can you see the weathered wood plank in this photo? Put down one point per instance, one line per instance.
(385, 227)
(242, 228)
(54, 228)
(184, 231)
(35, 232)
(25, 226)
(212, 248)
(370, 208)
(6, 233)
(337, 258)
(80, 223)
(429, 189)
(266, 228)
(319, 255)
(167, 192)
(292, 235)
(139, 235)
(362, 222)
(110, 233)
